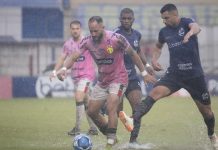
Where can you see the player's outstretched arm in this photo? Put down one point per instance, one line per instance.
(61, 73)
(148, 67)
(58, 65)
(136, 59)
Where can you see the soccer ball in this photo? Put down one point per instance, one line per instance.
(82, 142)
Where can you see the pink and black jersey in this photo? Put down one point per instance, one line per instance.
(108, 55)
(84, 66)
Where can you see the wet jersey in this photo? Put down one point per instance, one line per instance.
(84, 66)
(184, 57)
(108, 56)
(134, 39)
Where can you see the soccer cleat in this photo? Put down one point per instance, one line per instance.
(74, 131)
(214, 141)
(133, 145)
(126, 120)
(132, 140)
(93, 131)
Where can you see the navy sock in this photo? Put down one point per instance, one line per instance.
(210, 123)
(140, 110)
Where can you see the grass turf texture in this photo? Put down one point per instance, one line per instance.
(34, 124)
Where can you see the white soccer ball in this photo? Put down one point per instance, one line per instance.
(82, 142)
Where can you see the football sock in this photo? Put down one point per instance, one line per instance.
(103, 129)
(141, 109)
(80, 109)
(111, 133)
(210, 123)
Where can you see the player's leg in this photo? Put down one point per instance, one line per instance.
(80, 109)
(93, 129)
(85, 86)
(133, 94)
(96, 102)
(81, 91)
(164, 87)
(209, 120)
(114, 98)
(198, 90)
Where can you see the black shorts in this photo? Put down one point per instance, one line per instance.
(196, 87)
(133, 85)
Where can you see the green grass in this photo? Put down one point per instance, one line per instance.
(42, 124)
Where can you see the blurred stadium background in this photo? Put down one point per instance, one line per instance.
(32, 33)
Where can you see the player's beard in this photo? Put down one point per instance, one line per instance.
(98, 39)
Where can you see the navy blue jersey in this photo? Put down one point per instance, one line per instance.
(134, 39)
(184, 57)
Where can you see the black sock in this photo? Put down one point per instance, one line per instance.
(111, 130)
(140, 110)
(103, 129)
(210, 123)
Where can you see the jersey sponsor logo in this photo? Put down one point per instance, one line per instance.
(172, 45)
(105, 61)
(181, 32)
(109, 49)
(187, 66)
(81, 58)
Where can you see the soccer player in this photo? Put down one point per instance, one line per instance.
(107, 48)
(83, 75)
(184, 71)
(133, 92)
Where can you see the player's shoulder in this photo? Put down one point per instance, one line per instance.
(116, 36)
(117, 30)
(112, 34)
(85, 39)
(163, 29)
(186, 20)
(68, 42)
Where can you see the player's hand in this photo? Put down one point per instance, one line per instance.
(149, 79)
(156, 66)
(187, 36)
(149, 69)
(53, 75)
(61, 74)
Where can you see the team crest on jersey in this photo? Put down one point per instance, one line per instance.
(136, 43)
(181, 32)
(110, 49)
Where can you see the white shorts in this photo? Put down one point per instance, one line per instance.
(99, 93)
(83, 85)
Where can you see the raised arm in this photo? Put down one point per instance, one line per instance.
(136, 59)
(194, 29)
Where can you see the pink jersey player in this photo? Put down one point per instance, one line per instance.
(109, 57)
(107, 49)
(84, 66)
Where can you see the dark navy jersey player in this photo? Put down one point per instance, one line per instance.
(184, 71)
(188, 64)
(133, 37)
(133, 92)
